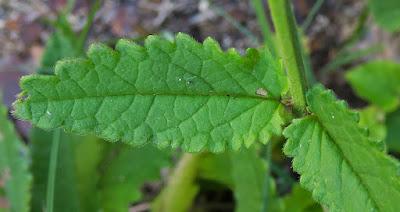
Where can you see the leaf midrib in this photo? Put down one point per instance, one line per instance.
(350, 164)
(41, 99)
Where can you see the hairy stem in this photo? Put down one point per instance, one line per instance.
(52, 170)
(286, 31)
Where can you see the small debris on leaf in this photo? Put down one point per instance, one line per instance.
(262, 92)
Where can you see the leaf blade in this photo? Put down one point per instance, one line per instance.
(248, 188)
(354, 171)
(66, 196)
(180, 93)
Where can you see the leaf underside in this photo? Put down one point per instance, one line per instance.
(343, 168)
(178, 94)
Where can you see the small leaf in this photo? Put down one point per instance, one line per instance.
(179, 94)
(14, 157)
(378, 82)
(386, 13)
(338, 162)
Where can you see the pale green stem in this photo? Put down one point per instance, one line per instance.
(52, 170)
(286, 31)
(181, 188)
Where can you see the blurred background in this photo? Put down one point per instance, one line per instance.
(337, 35)
(25, 26)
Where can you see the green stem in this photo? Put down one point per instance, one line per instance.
(286, 31)
(83, 35)
(265, 27)
(52, 170)
(181, 189)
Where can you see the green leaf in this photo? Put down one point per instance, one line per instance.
(127, 172)
(378, 82)
(299, 200)
(248, 172)
(393, 132)
(77, 171)
(386, 13)
(89, 153)
(79, 185)
(345, 170)
(14, 157)
(179, 94)
(66, 196)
